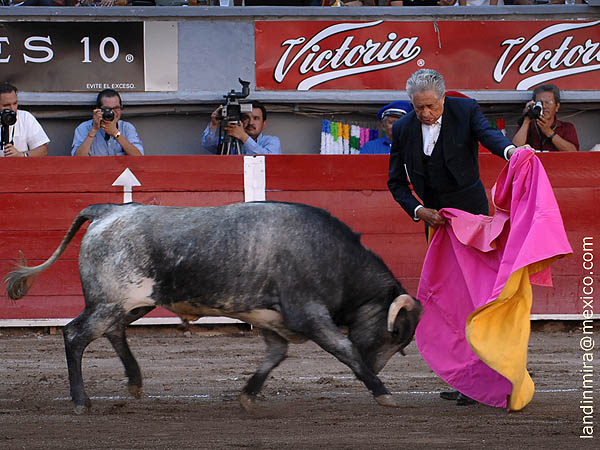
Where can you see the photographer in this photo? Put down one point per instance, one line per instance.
(249, 132)
(105, 134)
(541, 129)
(23, 135)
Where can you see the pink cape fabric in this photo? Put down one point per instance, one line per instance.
(470, 260)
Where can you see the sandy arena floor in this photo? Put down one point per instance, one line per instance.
(312, 401)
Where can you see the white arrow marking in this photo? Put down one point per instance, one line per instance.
(127, 179)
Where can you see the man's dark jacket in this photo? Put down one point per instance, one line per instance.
(463, 127)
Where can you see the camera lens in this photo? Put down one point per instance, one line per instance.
(108, 114)
(8, 117)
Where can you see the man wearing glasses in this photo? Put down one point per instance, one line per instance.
(105, 134)
(546, 132)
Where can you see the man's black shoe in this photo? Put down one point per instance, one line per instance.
(463, 400)
(450, 395)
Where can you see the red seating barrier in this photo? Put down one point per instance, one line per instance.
(41, 197)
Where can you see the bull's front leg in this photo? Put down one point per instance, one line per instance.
(317, 325)
(276, 351)
(336, 343)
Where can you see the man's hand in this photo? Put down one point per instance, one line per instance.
(96, 119)
(520, 137)
(528, 106)
(526, 117)
(545, 126)
(109, 126)
(513, 150)
(430, 216)
(11, 151)
(215, 117)
(236, 130)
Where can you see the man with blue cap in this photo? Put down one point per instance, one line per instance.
(387, 115)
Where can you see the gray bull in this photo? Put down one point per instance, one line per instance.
(292, 270)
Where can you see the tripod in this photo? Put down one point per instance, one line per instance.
(228, 145)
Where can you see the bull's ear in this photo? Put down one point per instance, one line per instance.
(402, 301)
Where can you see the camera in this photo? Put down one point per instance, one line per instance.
(233, 110)
(8, 117)
(232, 113)
(108, 114)
(535, 111)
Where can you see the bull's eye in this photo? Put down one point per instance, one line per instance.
(396, 332)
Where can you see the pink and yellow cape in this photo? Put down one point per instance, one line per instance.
(476, 286)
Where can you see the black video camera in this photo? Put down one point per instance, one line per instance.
(233, 110)
(535, 111)
(8, 117)
(108, 114)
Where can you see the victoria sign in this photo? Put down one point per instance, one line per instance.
(507, 55)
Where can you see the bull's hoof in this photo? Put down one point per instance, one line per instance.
(387, 400)
(134, 390)
(247, 401)
(81, 409)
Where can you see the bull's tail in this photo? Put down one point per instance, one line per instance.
(20, 280)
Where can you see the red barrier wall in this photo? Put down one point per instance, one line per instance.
(39, 198)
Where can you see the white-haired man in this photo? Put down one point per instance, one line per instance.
(435, 148)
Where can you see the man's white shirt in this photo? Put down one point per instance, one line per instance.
(431, 134)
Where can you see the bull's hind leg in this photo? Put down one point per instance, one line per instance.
(78, 334)
(276, 352)
(117, 337)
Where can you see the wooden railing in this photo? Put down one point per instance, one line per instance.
(40, 197)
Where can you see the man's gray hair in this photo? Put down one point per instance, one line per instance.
(425, 80)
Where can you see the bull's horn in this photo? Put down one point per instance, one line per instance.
(402, 301)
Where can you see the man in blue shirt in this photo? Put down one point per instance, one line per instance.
(249, 132)
(388, 116)
(101, 137)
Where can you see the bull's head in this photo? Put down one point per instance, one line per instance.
(405, 330)
(402, 301)
(402, 319)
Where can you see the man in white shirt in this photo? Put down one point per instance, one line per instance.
(26, 137)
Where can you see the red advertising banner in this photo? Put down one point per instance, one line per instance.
(473, 55)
